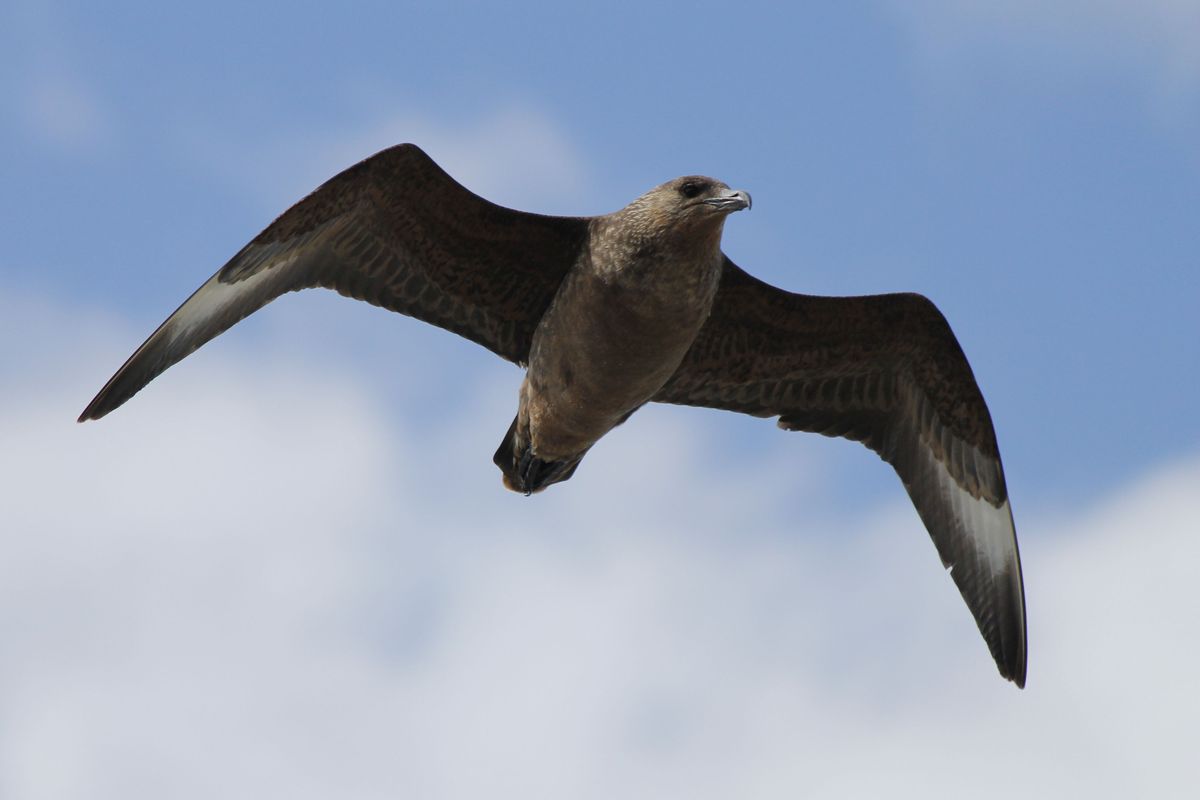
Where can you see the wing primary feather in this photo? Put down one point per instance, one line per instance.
(211, 309)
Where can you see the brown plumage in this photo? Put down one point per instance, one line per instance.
(641, 305)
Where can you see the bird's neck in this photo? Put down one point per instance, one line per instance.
(630, 249)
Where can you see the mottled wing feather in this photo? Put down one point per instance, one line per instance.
(885, 370)
(394, 230)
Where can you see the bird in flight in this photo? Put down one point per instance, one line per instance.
(611, 312)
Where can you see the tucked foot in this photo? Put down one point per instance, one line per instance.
(523, 471)
(534, 474)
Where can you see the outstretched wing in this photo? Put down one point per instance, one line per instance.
(394, 230)
(885, 370)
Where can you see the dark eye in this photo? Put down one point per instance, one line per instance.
(691, 189)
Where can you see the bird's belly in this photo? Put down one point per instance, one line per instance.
(586, 378)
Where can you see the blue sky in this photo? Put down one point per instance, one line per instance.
(1038, 185)
(318, 481)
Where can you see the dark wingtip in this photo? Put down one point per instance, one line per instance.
(1013, 665)
(89, 412)
(1011, 650)
(95, 410)
(110, 398)
(1016, 668)
(1019, 660)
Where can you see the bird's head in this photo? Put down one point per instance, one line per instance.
(689, 203)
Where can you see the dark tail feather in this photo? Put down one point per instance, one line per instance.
(523, 471)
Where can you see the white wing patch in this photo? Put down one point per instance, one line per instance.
(974, 535)
(989, 528)
(216, 299)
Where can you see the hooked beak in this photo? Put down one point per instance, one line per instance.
(730, 202)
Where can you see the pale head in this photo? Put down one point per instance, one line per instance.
(693, 203)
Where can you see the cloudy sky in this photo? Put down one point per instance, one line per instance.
(288, 568)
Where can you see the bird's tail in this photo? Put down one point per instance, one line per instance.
(523, 471)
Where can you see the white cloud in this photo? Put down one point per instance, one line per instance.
(53, 98)
(1156, 40)
(257, 579)
(61, 110)
(515, 155)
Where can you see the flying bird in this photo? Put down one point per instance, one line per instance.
(611, 312)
